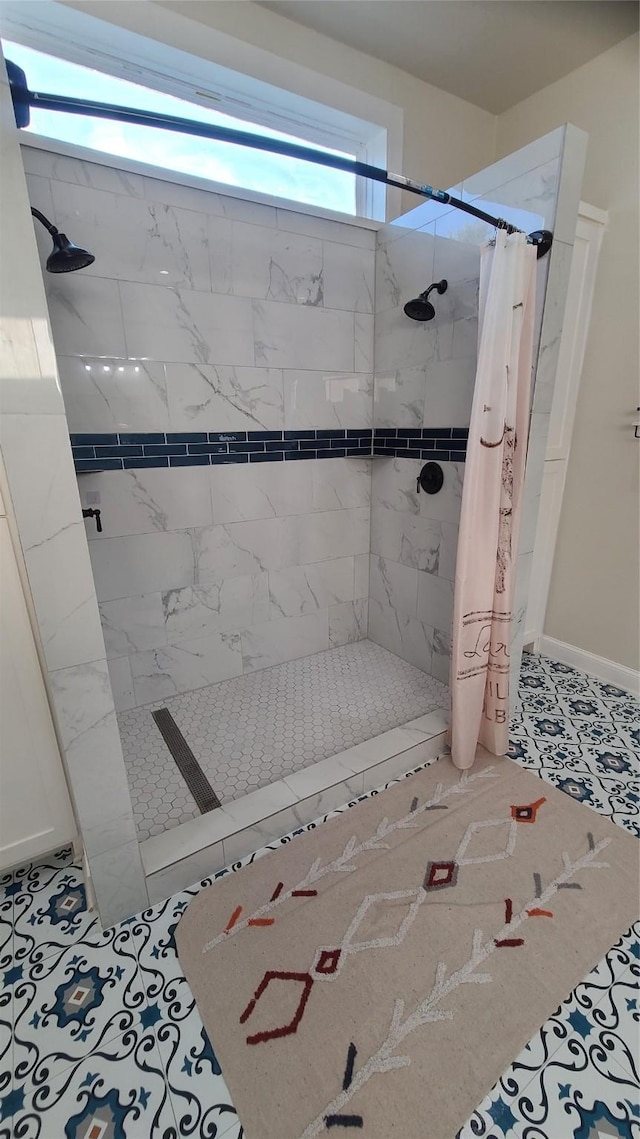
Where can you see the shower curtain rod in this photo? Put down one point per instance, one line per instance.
(23, 99)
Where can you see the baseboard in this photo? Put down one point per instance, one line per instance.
(600, 667)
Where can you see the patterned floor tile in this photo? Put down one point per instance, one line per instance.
(73, 1002)
(49, 911)
(130, 1060)
(595, 1013)
(580, 1093)
(117, 1092)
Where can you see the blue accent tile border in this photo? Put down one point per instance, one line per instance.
(439, 444)
(131, 449)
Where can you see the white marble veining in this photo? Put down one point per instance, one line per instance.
(324, 535)
(36, 454)
(448, 550)
(461, 298)
(240, 548)
(145, 500)
(267, 264)
(284, 640)
(348, 277)
(347, 234)
(394, 585)
(138, 240)
(348, 622)
(161, 334)
(435, 600)
(76, 172)
(207, 201)
(404, 266)
(425, 375)
(320, 400)
(401, 634)
(303, 589)
(121, 683)
(131, 624)
(142, 563)
(361, 576)
(411, 540)
(393, 485)
(28, 370)
(341, 484)
(261, 490)
(42, 499)
(185, 326)
(363, 330)
(223, 397)
(399, 397)
(403, 474)
(405, 343)
(116, 878)
(86, 317)
(108, 394)
(89, 734)
(528, 200)
(199, 610)
(455, 259)
(181, 667)
(293, 336)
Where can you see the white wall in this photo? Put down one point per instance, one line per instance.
(593, 602)
(444, 138)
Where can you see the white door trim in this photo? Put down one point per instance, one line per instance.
(589, 233)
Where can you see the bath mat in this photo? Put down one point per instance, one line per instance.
(377, 976)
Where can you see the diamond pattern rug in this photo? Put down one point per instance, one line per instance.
(379, 974)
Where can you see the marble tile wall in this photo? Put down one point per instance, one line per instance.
(424, 377)
(423, 387)
(203, 574)
(203, 312)
(45, 508)
(204, 317)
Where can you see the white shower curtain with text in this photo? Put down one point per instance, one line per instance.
(490, 514)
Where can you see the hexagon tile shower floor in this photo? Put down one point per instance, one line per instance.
(251, 730)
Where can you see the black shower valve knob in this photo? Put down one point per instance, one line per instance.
(430, 478)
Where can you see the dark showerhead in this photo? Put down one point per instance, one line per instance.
(65, 256)
(421, 308)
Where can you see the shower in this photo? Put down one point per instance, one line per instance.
(65, 256)
(421, 308)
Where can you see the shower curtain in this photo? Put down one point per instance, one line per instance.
(490, 514)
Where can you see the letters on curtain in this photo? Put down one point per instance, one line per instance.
(491, 501)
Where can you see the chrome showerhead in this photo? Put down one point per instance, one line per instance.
(421, 308)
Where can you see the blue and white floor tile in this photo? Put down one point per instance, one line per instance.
(100, 1037)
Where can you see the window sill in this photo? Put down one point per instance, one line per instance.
(128, 165)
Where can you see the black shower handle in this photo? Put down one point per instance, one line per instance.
(93, 512)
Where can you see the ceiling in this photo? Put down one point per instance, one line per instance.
(491, 52)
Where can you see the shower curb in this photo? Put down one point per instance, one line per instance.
(196, 849)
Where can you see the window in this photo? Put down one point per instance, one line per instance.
(217, 161)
